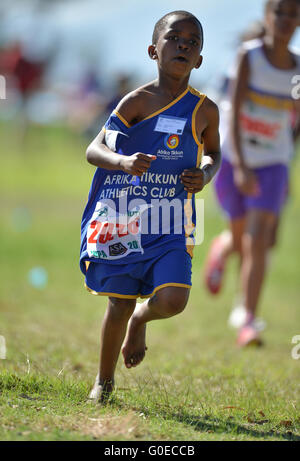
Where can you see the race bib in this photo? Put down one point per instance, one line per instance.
(169, 124)
(112, 235)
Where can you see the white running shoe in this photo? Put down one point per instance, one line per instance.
(237, 319)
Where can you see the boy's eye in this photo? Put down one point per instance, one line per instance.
(175, 37)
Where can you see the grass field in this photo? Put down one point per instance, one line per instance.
(194, 384)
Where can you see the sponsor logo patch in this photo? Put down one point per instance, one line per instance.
(117, 249)
(171, 141)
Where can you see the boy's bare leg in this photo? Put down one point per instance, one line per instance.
(112, 335)
(256, 242)
(166, 303)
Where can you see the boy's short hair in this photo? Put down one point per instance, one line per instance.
(163, 21)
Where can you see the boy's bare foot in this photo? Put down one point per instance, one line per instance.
(134, 346)
(101, 392)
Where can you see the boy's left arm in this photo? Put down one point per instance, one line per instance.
(195, 179)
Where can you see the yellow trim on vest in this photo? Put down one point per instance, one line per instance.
(196, 92)
(121, 118)
(194, 130)
(188, 212)
(168, 105)
(190, 247)
(199, 155)
(189, 88)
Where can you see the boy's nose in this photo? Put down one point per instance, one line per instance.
(183, 45)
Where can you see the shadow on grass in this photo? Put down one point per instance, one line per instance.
(207, 423)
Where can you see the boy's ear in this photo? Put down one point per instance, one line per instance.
(199, 62)
(152, 52)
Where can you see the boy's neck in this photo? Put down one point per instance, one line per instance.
(170, 86)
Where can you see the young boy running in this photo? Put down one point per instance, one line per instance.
(148, 157)
(257, 147)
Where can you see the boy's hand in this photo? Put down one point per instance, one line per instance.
(246, 181)
(137, 164)
(194, 180)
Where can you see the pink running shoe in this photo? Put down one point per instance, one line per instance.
(214, 266)
(248, 336)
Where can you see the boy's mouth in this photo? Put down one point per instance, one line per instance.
(180, 59)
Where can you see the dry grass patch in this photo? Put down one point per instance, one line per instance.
(128, 427)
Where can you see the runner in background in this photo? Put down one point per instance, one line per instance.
(259, 124)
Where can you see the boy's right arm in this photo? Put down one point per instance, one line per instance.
(99, 154)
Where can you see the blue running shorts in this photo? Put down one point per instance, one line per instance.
(140, 280)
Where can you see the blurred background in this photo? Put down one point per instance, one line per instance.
(68, 61)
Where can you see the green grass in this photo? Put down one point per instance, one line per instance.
(194, 384)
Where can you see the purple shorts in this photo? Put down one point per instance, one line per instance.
(273, 184)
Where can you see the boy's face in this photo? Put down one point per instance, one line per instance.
(281, 19)
(178, 47)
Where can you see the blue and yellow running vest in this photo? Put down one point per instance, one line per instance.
(129, 219)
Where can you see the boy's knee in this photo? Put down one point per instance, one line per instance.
(121, 308)
(172, 300)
